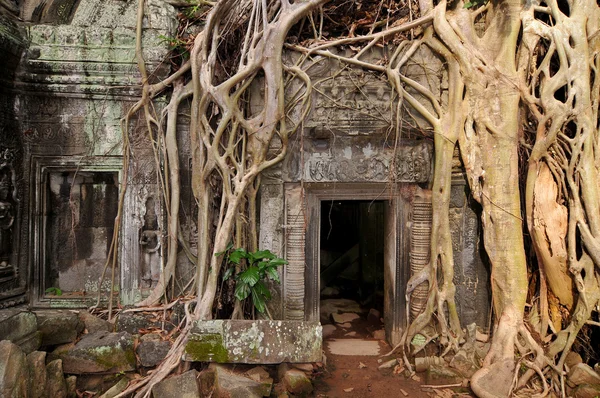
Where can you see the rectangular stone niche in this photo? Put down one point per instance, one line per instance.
(75, 208)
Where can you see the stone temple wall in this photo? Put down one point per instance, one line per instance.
(70, 75)
(346, 150)
(71, 78)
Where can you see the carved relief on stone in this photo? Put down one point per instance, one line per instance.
(354, 103)
(50, 135)
(420, 247)
(150, 242)
(411, 164)
(295, 243)
(8, 212)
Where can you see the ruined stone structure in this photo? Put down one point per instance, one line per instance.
(68, 77)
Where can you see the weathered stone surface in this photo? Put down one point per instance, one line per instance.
(152, 350)
(58, 326)
(131, 322)
(334, 306)
(184, 385)
(586, 391)
(328, 330)
(71, 383)
(573, 359)
(20, 327)
(441, 374)
(36, 361)
(94, 324)
(258, 374)
(231, 385)
(259, 341)
(388, 364)
(296, 382)
(463, 365)
(116, 389)
(582, 374)
(100, 352)
(345, 317)
(353, 347)
(13, 371)
(56, 386)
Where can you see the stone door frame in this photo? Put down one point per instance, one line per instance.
(302, 244)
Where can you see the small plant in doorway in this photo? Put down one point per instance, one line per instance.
(251, 282)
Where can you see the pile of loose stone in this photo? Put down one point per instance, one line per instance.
(62, 353)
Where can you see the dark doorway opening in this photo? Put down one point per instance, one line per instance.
(352, 265)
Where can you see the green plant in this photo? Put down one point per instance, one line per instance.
(54, 291)
(262, 265)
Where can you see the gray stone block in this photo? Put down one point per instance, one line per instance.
(100, 352)
(36, 362)
(184, 386)
(152, 352)
(56, 386)
(259, 341)
(58, 326)
(20, 327)
(13, 371)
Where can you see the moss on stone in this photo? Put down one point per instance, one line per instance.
(207, 348)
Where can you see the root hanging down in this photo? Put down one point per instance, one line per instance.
(518, 94)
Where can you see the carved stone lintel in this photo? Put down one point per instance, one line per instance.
(411, 163)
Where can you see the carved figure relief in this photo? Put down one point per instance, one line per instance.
(8, 210)
(150, 243)
(411, 164)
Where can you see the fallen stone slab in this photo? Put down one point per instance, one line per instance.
(58, 326)
(101, 352)
(232, 385)
(297, 383)
(582, 373)
(116, 389)
(334, 306)
(442, 374)
(21, 328)
(586, 391)
(254, 342)
(152, 350)
(94, 324)
(353, 347)
(344, 317)
(71, 383)
(184, 385)
(13, 371)
(36, 361)
(56, 386)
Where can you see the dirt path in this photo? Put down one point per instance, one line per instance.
(359, 375)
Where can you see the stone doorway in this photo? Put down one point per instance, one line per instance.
(303, 247)
(351, 264)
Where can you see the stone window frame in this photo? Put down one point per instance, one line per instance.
(41, 167)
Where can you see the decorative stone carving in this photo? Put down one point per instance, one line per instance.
(150, 243)
(354, 103)
(410, 164)
(293, 281)
(8, 214)
(420, 248)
